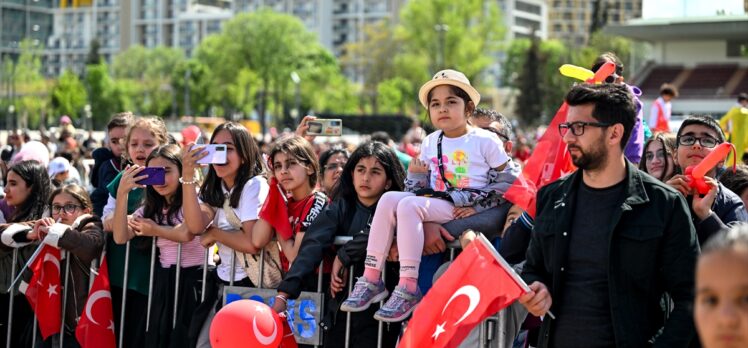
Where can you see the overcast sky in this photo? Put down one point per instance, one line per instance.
(689, 8)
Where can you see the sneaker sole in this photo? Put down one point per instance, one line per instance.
(378, 298)
(398, 319)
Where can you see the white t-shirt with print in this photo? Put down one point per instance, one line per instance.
(467, 159)
(253, 196)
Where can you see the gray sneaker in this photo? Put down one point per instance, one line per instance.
(363, 295)
(400, 305)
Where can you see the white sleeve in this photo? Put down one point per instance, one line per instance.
(253, 196)
(109, 207)
(493, 150)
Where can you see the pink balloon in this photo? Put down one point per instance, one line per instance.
(246, 323)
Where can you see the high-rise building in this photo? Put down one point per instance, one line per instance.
(523, 17)
(571, 20)
(21, 19)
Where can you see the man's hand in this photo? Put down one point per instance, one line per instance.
(538, 301)
(463, 212)
(433, 243)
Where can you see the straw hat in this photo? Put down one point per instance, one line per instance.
(448, 77)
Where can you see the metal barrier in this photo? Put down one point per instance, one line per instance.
(487, 333)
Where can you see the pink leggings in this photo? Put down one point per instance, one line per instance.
(407, 212)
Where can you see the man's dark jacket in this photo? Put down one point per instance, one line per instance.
(652, 249)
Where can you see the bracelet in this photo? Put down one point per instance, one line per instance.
(193, 182)
(282, 298)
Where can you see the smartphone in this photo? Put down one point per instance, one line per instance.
(325, 127)
(216, 154)
(156, 176)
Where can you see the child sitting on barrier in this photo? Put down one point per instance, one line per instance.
(160, 213)
(454, 177)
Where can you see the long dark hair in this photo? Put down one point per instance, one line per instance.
(667, 140)
(211, 191)
(154, 203)
(345, 190)
(35, 176)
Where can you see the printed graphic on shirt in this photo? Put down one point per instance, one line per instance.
(456, 169)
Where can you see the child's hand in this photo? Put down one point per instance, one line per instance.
(130, 178)
(339, 276)
(142, 227)
(418, 167)
(702, 206)
(190, 157)
(40, 229)
(303, 127)
(207, 239)
(680, 183)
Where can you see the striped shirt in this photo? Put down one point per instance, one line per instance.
(193, 253)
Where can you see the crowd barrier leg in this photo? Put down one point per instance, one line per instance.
(64, 296)
(262, 265)
(11, 293)
(348, 314)
(176, 286)
(380, 328)
(150, 286)
(205, 274)
(319, 289)
(233, 269)
(124, 295)
(33, 332)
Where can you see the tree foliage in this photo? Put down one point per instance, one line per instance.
(68, 95)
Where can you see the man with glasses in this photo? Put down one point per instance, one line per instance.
(609, 240)
(720, 208)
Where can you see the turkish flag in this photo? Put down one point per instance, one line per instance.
(44, 292)
(549, 161)
(275, 210)
(476, 285)
(96, 325)
(288, 341)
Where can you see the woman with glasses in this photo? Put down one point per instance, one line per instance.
(331, 163)
(697, 137)
(658, 156)
(71, 228)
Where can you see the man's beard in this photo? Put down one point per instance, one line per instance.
(593, 159)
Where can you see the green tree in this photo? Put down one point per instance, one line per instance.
(437, 34)
(529, 107)
(30, 85)
(68, 95)
(372, 59)
(393, 95)
(106, 96)
(93, 56)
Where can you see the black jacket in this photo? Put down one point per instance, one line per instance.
(336, 220)
(652, 250)
(727, 210)
(105, 169)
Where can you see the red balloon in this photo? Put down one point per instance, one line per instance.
(246, 323)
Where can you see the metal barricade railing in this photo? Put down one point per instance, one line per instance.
(487, 333)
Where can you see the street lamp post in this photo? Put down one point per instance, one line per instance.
(87, 113)
(441, 30)
(297, 105)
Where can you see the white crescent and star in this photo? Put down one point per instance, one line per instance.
(264, 340)
(97, 295)
(473, 294)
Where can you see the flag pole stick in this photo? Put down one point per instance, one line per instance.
(27, 265)
(509, 269)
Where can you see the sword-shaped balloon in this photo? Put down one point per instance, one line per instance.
(586, 75)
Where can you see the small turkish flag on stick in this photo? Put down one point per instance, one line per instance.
(44, 292)
(96, 325)
(476, 285)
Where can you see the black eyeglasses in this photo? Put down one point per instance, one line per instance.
(501, 135)
(577, 128)
(611, 78)
(67, 208)
(689, 140)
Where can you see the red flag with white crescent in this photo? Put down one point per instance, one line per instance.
(275, 210)
(96, 325)
(549, 161)
(44, 292)
(461, 299)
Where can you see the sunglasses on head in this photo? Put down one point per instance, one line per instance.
(611, 78)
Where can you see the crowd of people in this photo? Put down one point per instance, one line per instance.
(624, 252)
